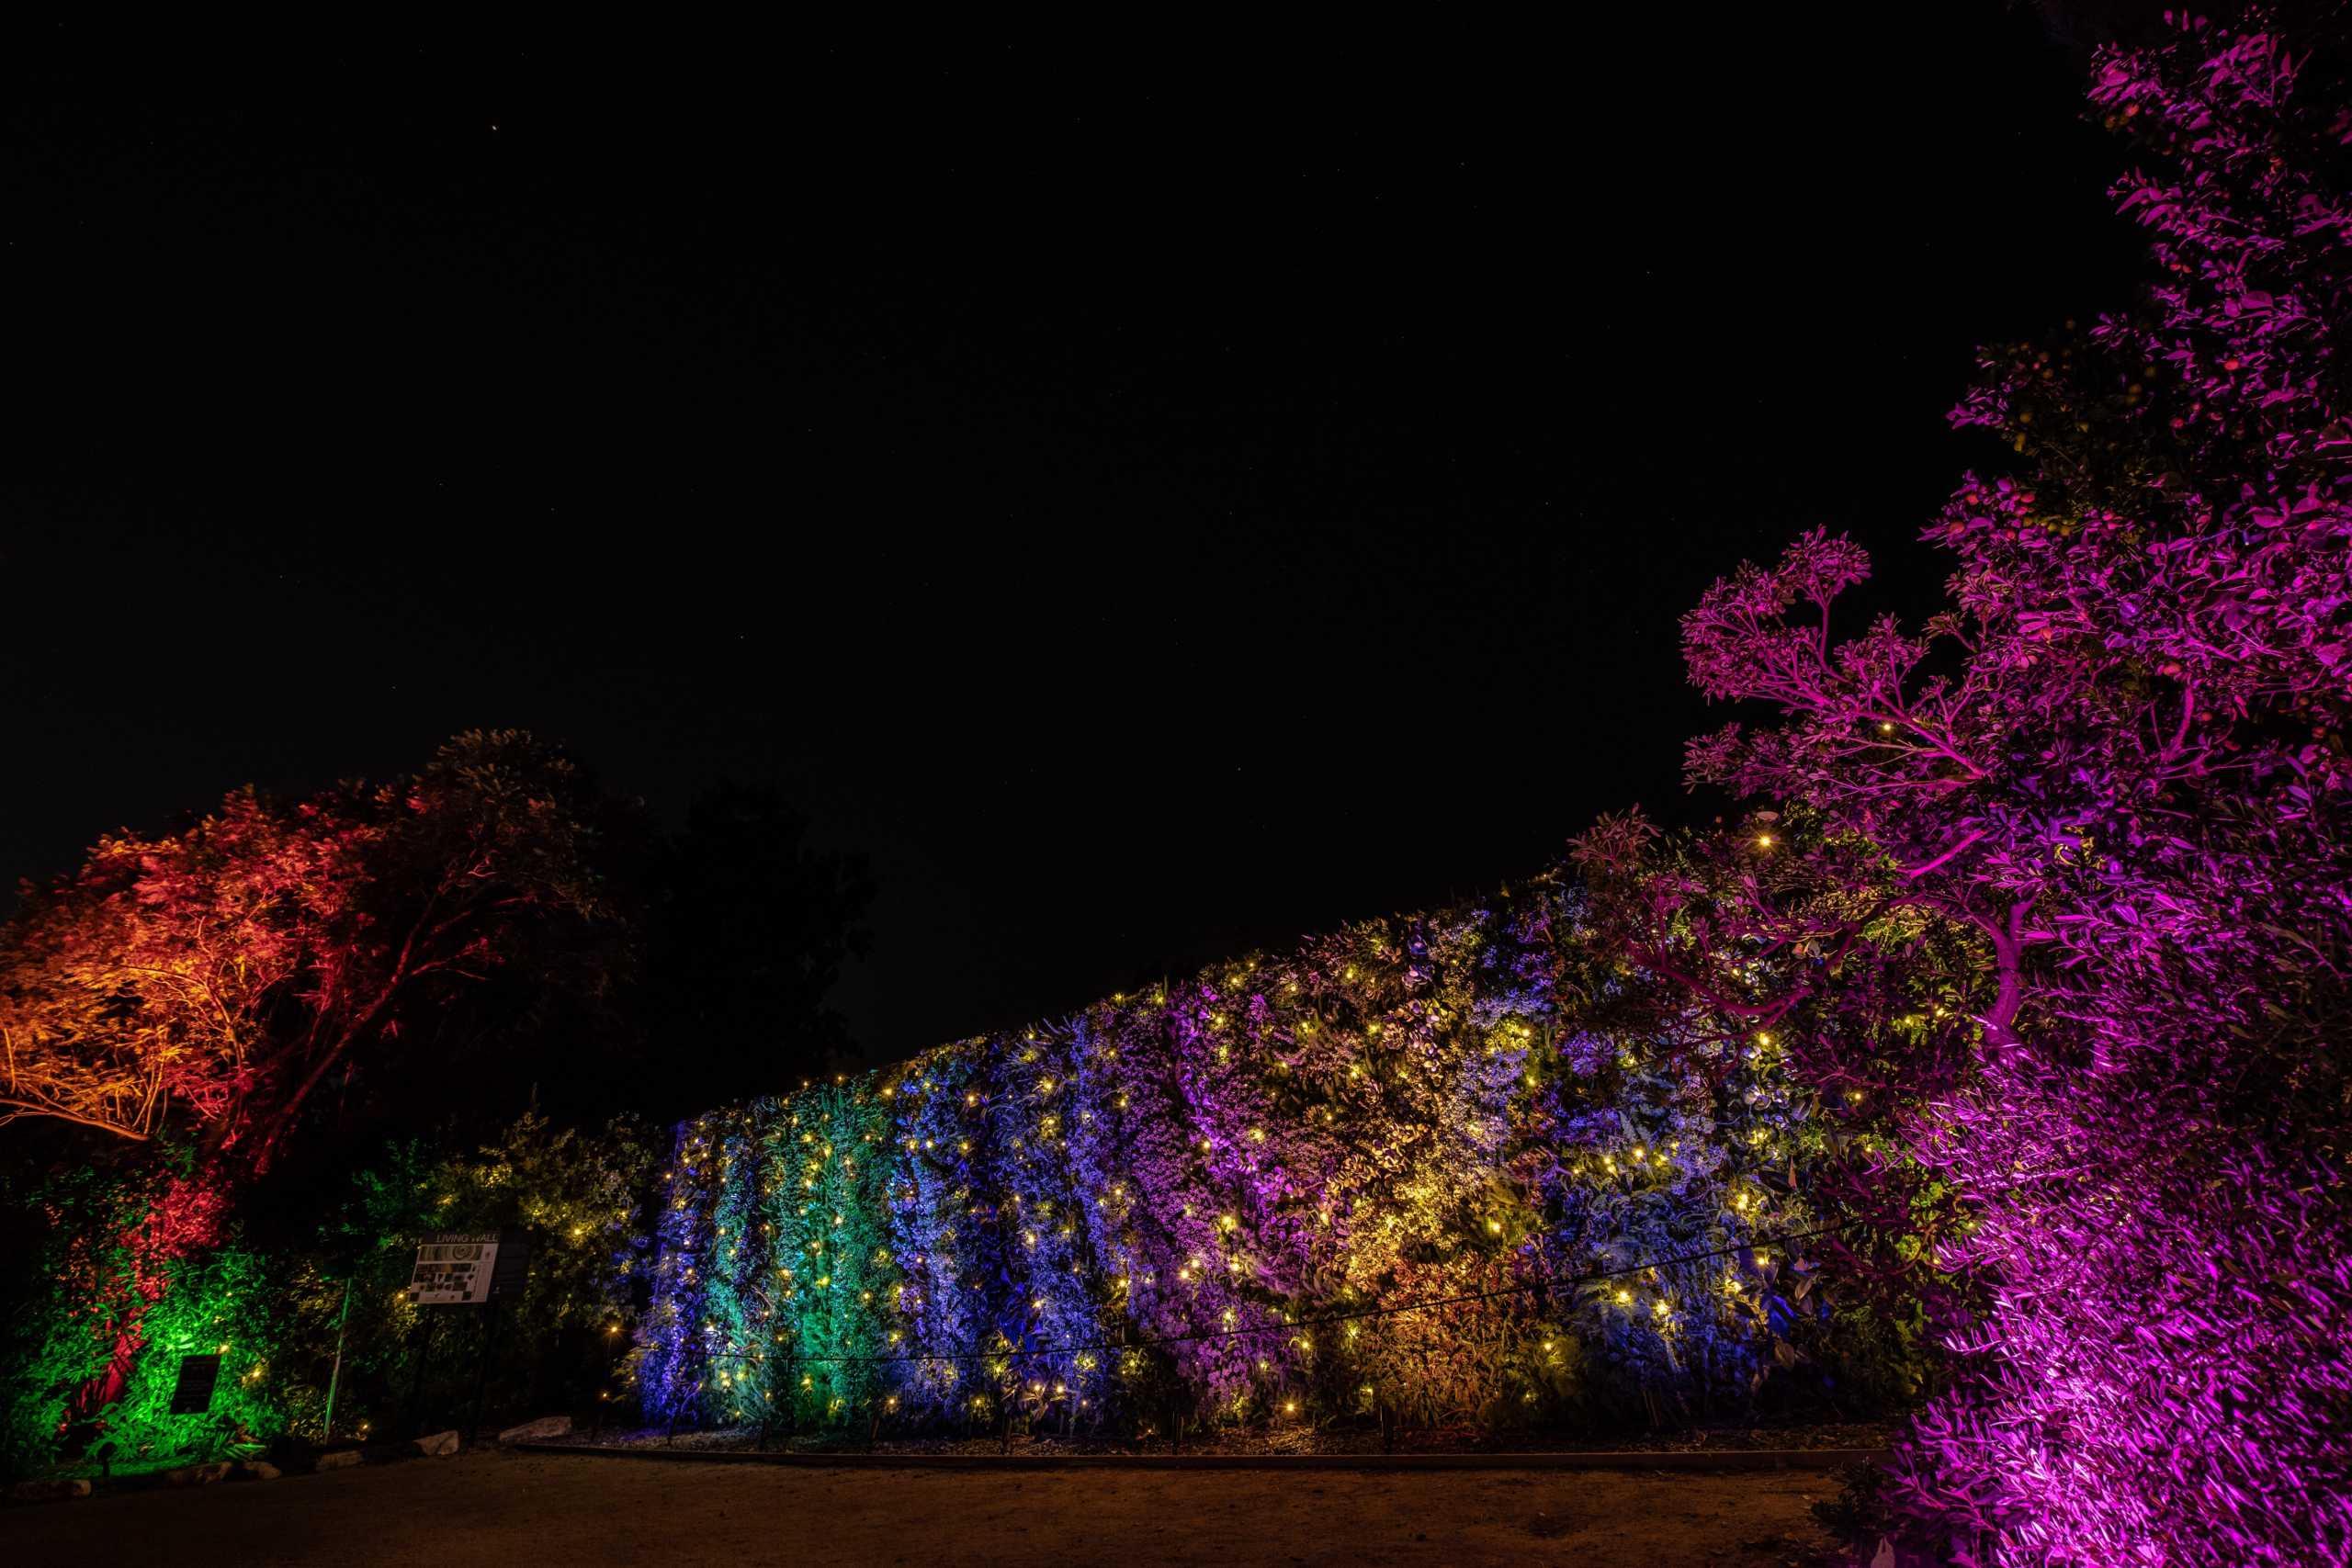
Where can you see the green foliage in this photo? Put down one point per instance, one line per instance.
(576, 1194)
(60, 1336)
(47, 1349)
(222, 1304)
(277, 1317)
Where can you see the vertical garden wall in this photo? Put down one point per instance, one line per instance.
(1396, 1166)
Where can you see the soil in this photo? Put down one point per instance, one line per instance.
(1297, 1438)
(495, 1508)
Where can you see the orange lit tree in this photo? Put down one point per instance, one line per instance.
(192, 991)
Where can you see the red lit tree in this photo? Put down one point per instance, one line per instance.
(2112, 779)
(197, 988)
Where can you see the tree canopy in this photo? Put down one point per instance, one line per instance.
(209, 980)
(2056, 883)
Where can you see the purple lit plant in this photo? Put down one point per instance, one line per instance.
(1144, 1210)
(2063, 882)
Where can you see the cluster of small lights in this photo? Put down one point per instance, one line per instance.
(992, 1230)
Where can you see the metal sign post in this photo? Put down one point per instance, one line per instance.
(461, 1268)
(424, 1352)
(482, 1376)
(334, 1378)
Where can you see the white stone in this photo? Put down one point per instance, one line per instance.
(440, 1445)
(534, 1431)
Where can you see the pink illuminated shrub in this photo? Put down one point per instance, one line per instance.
(2063, 877)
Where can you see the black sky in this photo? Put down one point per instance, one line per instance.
(1155, 496)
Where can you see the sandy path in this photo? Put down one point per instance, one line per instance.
(493, 1508)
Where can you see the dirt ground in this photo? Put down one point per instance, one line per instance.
(1293, 1438)
(494, 1507)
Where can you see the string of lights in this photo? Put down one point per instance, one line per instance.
(1540, 1282)
(1176, 1189)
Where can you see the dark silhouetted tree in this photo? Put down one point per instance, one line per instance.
(750, 927)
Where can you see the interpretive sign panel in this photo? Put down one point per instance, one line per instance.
(192, 1395)
(468, 1267)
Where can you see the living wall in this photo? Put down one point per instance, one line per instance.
(1403, 1166)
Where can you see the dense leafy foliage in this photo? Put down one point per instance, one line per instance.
(575, 1194)
(292, 1322)
(142, 1256)
(2019, 996)
(227, 1018)
(197, 990)
(1161, 1201)
(212, 979)
(2061, 879)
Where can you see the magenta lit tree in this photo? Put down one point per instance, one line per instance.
(2058, 887)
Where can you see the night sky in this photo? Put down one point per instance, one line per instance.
(1155, 497)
